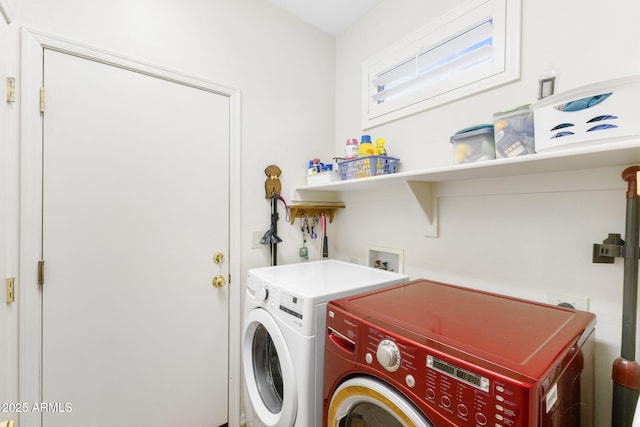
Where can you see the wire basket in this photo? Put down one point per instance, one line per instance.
(363, 167)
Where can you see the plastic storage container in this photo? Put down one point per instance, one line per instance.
(514, 132)
(364, 167)
(588, 115)
(473, 144)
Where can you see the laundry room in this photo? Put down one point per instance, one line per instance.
(284, 92)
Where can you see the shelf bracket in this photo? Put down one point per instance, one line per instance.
(425, 194)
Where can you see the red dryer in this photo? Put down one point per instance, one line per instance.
(428, 354)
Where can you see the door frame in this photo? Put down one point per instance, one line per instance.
(33, 44)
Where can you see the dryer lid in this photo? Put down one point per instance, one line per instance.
(324, 280)
(517, 334)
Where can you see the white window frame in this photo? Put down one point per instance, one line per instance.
(505, 16)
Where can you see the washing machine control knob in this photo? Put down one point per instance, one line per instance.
(388, 355)
(262, 294)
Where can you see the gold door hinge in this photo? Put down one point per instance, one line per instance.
(41, 272)
(42, 100)
(11, 89)
(10, 290)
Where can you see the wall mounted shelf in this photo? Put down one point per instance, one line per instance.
(310, 210)
(599, 154)
(605, 154)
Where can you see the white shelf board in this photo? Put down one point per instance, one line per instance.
(599, 154)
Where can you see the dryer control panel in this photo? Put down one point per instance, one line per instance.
(465, 394)
(290, 308)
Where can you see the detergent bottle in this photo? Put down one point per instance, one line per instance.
(380, 150)
(366, 147)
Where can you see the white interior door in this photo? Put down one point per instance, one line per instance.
(135, 205)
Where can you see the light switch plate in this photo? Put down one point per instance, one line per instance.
(547, 87)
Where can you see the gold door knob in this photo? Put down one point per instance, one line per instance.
(218, 258)
(219, 281)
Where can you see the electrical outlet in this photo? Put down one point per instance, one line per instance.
(577, 302)
(10, 291)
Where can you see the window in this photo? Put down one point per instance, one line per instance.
(473, 48)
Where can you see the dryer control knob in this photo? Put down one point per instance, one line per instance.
(388, 355)
(262, 294)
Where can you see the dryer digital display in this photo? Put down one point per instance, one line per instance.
(291, 304)
(458, 373)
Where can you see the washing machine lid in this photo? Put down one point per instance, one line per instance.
(516, 334)
(270, 378)
(372, 403)
(325, 280)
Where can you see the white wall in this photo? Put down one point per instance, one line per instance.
(8, 219)
(526, 245)
(284, 68)
(529, 236)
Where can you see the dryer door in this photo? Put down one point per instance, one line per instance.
(268, 370)
(363, 401)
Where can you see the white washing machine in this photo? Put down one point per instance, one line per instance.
(284, 335)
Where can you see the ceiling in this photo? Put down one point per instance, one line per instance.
(331, 16)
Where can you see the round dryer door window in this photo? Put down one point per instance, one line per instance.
(268, 369)
(363, 401)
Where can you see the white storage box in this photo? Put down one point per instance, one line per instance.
(588, 115)
(322, 178)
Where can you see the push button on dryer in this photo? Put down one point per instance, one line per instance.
(462, 410)
(411, 382)
(481, 419)
(431, 394)
(369, 358)
(446, 402)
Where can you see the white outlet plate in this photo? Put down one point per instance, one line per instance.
(256, 236)
(578, 302)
